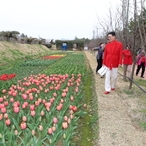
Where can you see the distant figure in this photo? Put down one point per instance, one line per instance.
(127, 61)
(99, 56)
(139, 51)
(112, 59)
(64, 46)
(141, 63)
(85, 47)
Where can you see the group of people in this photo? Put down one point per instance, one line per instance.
(112, 55)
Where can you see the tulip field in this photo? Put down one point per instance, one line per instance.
(43, 101)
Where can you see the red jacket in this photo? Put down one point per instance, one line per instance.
(139, 59)
(113, 54)
(127, 57)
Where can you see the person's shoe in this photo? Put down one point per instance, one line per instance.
(113, 89)
(142, 77)
(106, 92)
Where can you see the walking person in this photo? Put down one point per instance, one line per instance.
(141, 63)
(112, 59)
(99, 56)
(127, 61)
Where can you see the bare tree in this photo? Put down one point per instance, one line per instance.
(141, 24)
(125, 18)
(134, 45)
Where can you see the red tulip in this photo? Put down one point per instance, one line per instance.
(52, 100)
(78, 84)
(70, 107)
(1, 99)
(16, 132)
(16, 109)
(64, 125)
(14, 94)
(40, 88)
(2, 106)
(24, 119)
(32, 107)
(37, 103)
(74, 108)
(4, 91)
(46, 90)
(71, 112)
(48, 104)
(63, 94)
(85, 105)
(65, 118)
(55, 94)
(24, 96)
(12, 99)
(23, 125)
(39, 100)
(71, 98)
(33, 132)
(4, 97)
(76, 89)
(50, 131)
(71, 116)
(43, 101)
(69, 121)
(55, 120)
(3, 110)
(42, 113)
(6, 103)
(23, 106)
(40, 127)
(59, 107)
(53, 128)
(32, 113)
(48, 109)
(25, 103)
(31, 97)
(5, 115)
(51, 87)
(7, 122)
(38, 91)
(61, 100)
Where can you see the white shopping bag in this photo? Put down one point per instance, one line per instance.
(102, 70)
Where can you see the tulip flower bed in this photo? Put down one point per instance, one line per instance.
(72, 63)
(43, 106)
(45, 61)
(55, 56)
(37, 62)
(6, 77)
(40, 110)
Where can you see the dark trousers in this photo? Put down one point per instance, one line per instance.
(142, 65)
(99, 64)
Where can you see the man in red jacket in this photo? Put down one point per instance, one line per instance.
(112, 59)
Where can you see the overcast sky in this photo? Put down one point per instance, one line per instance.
(53, 19)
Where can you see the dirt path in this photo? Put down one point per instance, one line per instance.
(117, 114)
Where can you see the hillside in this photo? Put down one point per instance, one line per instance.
(10, 51)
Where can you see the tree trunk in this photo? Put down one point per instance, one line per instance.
(134, 38)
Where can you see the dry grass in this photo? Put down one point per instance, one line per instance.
(10, 51)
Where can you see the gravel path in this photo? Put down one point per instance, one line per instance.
(116, 127)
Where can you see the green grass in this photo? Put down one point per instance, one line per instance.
(141, 82)
(15, 52)
(89, 121)
(143, 125)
